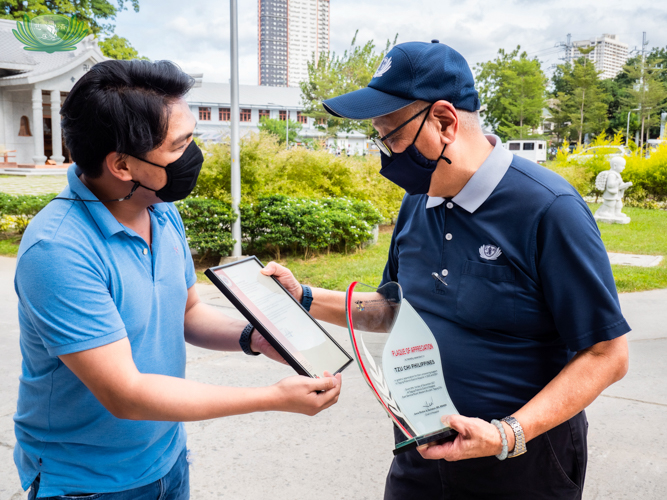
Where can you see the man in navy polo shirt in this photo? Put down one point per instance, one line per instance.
(504, 262)
(107, 300)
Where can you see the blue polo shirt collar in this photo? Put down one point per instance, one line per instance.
(105, 221)
(483, 182)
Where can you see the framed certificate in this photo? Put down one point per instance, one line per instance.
(281, 320)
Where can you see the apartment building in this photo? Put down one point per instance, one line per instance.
(609, 54)
(291, 32)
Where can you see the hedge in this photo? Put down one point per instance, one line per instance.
(271, 224)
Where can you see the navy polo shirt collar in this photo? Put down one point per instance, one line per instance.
(483, 182)
(105, 221)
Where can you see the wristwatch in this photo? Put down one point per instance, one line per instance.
(244, 341)
(307, 298)
(519, 438)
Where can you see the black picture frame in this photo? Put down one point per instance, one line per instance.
(261, 328)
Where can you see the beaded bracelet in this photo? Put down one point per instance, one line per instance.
(503, 454)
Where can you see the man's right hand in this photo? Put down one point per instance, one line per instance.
(285, 277)
(299, 394)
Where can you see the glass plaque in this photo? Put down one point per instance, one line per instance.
(400, 360)
(283, 322)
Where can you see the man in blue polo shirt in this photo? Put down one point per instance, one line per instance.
(107, 300)
(504, 262)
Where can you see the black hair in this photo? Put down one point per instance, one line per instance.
(121, 106)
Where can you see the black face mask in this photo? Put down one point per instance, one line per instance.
(410, 169)
(182, 175)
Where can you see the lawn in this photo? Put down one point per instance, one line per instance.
(646, 235)
(9, 246)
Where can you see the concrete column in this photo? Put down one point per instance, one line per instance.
(3, 139)
(38, 127)
(56, 134)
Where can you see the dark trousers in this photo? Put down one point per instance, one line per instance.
(175, 485)
(553, 469)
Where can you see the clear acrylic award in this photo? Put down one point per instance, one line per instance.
(400, 360)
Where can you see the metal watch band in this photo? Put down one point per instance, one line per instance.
(307, 298)
(244, 341)
(519, 438)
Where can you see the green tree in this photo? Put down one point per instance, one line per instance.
(278, 128)
(647, 94)
(332, 75)
(117, 47)
(583, 100)
(513, 88)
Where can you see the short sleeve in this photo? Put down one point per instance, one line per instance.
(66, 298)
(576, 275)
(391, 268)
(190, 274)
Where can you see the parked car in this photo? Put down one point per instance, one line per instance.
(652, 145)
(606, 151)
(530, 149)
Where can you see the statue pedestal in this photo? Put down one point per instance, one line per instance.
(612, 219)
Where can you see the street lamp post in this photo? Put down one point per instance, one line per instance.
(234, 119)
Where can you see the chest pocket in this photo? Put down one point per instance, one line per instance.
(487, 296)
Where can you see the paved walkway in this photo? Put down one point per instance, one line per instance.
(344, 453)
(43, 184)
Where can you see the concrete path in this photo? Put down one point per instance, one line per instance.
(33, 184)
(344, 453)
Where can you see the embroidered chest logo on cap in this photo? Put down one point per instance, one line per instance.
(489, 252)
(383, 68)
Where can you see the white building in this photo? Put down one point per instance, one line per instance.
(291, 33)
(210, 103)
(33, 85)
(609, 54)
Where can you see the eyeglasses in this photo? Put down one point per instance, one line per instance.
(379, 142)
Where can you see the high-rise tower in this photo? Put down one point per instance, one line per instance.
(291, 32)
(609, 54)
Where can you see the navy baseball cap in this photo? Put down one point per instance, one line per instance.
(411, 71)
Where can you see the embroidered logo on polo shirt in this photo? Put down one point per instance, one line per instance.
(489, 252)
(383, 68)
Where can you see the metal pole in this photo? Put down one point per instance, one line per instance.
(234, 118)
(287, 128)
(663, 119)
(627, 131)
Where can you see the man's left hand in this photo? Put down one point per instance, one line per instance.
(476, 438)
(259, 344)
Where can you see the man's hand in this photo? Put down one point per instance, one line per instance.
(477, 438)
(259, 344)
(299, 394)
(111, 375)
(285, 277)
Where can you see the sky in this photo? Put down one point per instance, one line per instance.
(195, 35)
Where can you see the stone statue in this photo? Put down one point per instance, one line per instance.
(613, 188)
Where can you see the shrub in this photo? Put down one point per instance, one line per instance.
(21, 208)
(277, 223)
(208, 225)
(648, 175)
(268, 169)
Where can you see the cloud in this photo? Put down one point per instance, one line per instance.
(195, 35)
